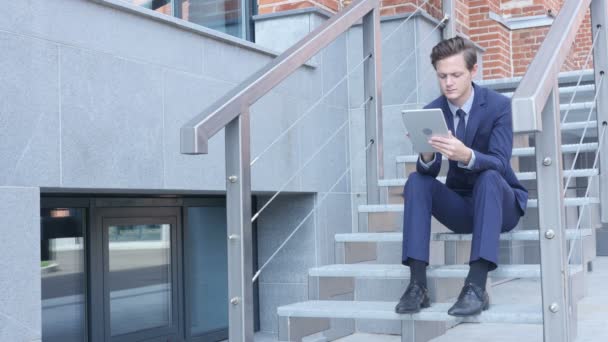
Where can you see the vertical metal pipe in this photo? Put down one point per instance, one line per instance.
(238, 208)
(372, 41)
(449, 9)
(552, 218)
(599, 13)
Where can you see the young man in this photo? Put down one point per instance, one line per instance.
(481, 194)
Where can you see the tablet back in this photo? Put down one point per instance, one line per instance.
(421, 124)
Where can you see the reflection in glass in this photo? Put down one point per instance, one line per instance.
(161, 6)
(62, 271)
(139, 278)
(208, 269)
(220, 15)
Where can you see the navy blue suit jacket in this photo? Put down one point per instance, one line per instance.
(489, 133)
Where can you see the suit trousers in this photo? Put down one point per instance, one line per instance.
(490, 209)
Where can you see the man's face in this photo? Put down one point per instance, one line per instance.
(455, 79)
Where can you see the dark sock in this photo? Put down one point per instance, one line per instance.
(478, 273)
(418, 271)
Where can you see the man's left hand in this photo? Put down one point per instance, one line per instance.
(452, 148)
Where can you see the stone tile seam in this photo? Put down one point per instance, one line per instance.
(163, 140)
(291, 284)
(60, 103)
(88, 49)
(18, 323)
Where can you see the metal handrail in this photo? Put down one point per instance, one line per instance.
(535, 87)
(196, 133)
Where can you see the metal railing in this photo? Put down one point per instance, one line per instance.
(232, 112)
(332, 136)
(536, 109)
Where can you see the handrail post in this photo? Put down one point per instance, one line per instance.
(238, 209)
(372, 83)
(449, 9)
(599, 13)
(554, 263)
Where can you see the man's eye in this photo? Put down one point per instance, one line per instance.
(456, 75)
(442, 76)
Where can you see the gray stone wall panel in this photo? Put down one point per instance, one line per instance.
(20, 303)
(29, 111)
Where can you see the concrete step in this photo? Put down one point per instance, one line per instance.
(520, 235)
(520, 176)
(498, 313)
(573, 126)
(567, 78)
(396, 271)
(569, 90)
(532, 203)
(519, 151)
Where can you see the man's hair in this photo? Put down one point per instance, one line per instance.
(453, 46)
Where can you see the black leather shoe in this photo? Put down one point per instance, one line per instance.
(471, 301)
(413, 299)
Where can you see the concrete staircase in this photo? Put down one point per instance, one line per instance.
(360, 291)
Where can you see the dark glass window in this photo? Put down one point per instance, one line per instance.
(207, 250)
(228, 16)
(62, 267)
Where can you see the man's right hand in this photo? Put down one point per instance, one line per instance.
(427, 156)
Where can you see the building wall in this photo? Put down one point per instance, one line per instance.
(93, 100)
(402, 72)
(20, 307)
(508, 52)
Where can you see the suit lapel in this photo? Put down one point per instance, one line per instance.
(475, 115)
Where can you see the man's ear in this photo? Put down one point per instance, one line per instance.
(474, 71)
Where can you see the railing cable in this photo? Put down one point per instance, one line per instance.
(580, 214)
(314, 209)
(404, 21)
(309, 110)
(580, 78)
(416, 48)
(580, 143)
(308, 161)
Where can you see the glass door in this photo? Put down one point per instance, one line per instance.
(140, 283)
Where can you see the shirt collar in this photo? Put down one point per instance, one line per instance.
(466, 107)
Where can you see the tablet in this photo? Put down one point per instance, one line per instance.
(421, 124)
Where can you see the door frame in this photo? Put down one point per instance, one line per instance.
(94, 262)
(99, 266)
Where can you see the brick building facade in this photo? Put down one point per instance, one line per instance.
(510, 31)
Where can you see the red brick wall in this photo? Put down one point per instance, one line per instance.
(492, 36)
(508, 53)
(525, 42)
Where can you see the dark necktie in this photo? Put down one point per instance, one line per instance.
(461, 129)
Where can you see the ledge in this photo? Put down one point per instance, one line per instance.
(190, 27)
(423, 15)
(523, 22)
(308, 10)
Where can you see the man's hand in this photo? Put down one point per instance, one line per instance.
(452, 148)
